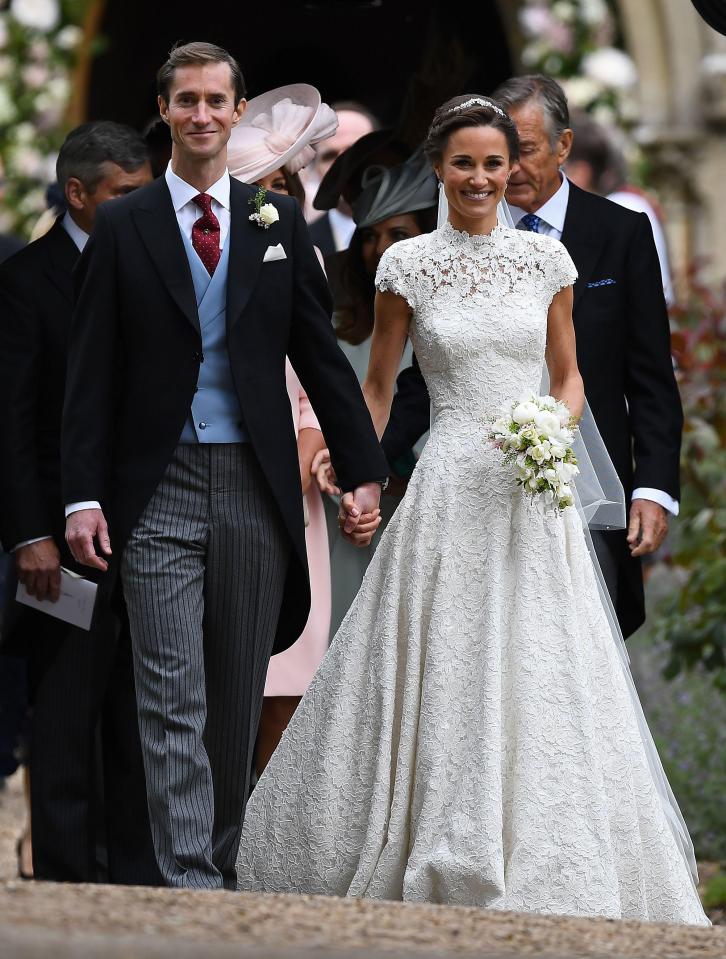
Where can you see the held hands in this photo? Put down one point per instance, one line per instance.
(647, 528)
(359, 515)
(38, 566)
(81, 528)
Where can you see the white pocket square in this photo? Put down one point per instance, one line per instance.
(274, 253)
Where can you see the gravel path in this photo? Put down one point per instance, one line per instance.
(44, 919)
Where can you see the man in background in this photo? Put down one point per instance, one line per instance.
(332, 231)
(77, 677)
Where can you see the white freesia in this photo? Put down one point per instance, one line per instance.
(40, 15)
(524, 412)
(269, 214)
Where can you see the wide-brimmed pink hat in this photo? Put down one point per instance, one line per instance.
(278, 129)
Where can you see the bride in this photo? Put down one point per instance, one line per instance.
(472, 736)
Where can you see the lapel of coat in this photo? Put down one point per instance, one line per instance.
(581, 238)
(247, 245)
(157, 224)
(63, 255)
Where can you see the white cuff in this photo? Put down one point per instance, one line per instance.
(659, 497)
(86, 504)
(29, 542)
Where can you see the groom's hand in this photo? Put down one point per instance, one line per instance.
(359, 514)
(81, 528)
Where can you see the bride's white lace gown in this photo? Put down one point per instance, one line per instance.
(469, 737)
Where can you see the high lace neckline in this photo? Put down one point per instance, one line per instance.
(462, 238)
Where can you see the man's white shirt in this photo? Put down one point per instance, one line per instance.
(552, 214)
(187, 213)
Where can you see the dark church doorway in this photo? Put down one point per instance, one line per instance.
(400, 58)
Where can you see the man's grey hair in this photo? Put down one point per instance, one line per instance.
(88, 148)
(537, 88)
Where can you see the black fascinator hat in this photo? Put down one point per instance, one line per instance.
(713, 12)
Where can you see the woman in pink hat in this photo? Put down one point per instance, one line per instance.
(271, 144)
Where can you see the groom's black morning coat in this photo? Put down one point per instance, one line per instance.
(134, 361)
(623, 351)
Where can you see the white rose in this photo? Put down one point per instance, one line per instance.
(524, 412)
(69, 37)
(611, 67)
(40, 15)
(269, 214)
(547, 422)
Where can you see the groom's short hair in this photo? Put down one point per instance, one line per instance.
(196, 54)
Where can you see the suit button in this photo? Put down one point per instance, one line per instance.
(199, 357)
(202, 426)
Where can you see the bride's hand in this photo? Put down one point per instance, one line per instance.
(364, 531)
(322, 470)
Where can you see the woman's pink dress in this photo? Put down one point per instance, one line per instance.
(290, 672)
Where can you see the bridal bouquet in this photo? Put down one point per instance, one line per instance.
(536, 435)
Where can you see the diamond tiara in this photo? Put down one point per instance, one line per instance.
(476, 102)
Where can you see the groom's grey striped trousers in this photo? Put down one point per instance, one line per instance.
(203, 576)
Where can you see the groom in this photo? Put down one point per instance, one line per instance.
(177, 430)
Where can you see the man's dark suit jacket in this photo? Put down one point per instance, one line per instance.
(9, 245)
(77, 677)
(36, 304)
(623, 351)
(134, 361)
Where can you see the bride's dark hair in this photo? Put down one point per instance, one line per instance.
(469, 110)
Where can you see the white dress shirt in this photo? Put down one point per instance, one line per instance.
(187, 213)
(552, 214)
(342, 227)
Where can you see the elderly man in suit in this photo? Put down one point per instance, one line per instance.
(77, 677)
(623, 336)
(177, 430)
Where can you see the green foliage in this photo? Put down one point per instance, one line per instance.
(714, 896)
(687, 716)
(692, 620)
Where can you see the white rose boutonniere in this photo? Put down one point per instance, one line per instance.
(265, 213)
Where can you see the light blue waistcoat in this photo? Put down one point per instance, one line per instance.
(215, 416)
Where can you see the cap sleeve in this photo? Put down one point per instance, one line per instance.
(561, 271)
(393, 276)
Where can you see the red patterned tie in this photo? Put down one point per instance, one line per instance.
(205, 233)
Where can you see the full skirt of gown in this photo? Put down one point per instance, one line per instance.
(470, 737)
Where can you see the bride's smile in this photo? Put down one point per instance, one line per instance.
(474, 170)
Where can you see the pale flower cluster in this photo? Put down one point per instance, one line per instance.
(38, 48)
(536, 436)
(572, 40)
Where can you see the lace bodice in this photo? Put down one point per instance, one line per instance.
(479, 303)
